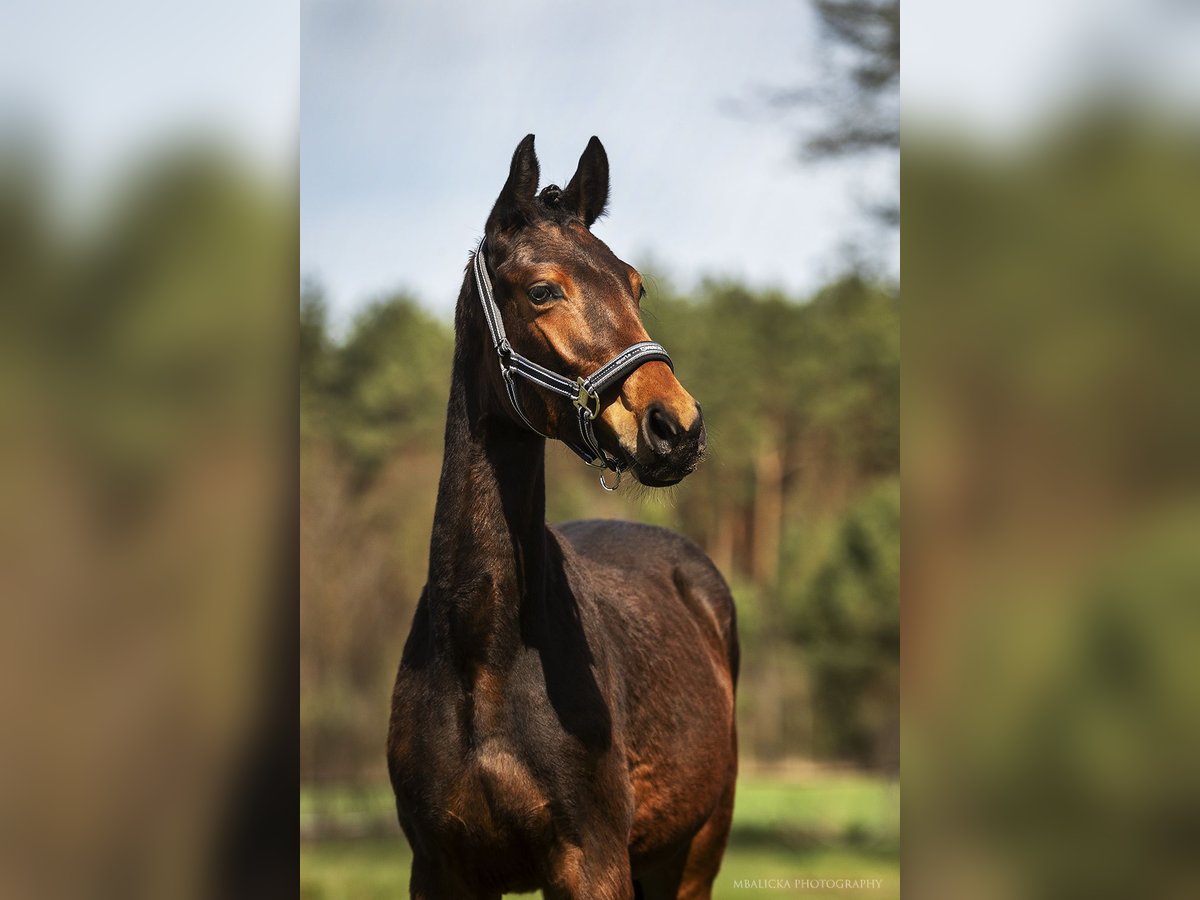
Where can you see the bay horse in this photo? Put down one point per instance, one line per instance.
(563, 714)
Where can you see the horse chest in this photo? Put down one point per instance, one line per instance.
(489, 807)
(476, 773)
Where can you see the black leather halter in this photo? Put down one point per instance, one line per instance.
(584, 392)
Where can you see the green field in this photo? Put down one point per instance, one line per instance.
(826, 826)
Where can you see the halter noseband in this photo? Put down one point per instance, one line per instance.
(584, 393)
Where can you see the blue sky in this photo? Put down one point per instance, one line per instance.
(410, 113)
(1000, 70)
(102, 83)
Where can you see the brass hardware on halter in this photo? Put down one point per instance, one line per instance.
(585, 400)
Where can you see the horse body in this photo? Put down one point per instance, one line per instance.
(666, 595)
(563, 712)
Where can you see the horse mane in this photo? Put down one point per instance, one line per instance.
(550, 206)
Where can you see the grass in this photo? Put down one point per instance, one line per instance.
(786, 828)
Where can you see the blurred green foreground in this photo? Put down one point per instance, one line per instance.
(788, 826)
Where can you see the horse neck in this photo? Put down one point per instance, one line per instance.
(488, 550)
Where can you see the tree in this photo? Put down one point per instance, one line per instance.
(384, 391)
(850, 621)
(858, 99)
(863, 91)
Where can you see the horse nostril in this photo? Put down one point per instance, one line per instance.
(661, 426)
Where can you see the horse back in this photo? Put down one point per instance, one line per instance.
(637, 557)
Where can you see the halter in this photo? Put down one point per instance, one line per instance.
(584, 393)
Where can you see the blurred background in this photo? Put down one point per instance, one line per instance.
(755, 169)
(148, 275)
(1051, 178)
(149, 558)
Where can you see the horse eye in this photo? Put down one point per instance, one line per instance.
(542, 293)
(641, 292)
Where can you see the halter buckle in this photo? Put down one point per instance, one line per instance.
(585, 400)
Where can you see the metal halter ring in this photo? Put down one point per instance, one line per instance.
(616, 484)
(586, 398)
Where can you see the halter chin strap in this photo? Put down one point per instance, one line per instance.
(584, 393)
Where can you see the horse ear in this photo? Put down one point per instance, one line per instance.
(515, 207)
(587, 194)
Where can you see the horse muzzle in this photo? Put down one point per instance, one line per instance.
(669, 447)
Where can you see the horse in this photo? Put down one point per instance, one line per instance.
(563, 714)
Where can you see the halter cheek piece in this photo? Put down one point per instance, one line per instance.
(584, 393)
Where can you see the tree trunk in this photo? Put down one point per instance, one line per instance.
(721, 545)
(768, 511)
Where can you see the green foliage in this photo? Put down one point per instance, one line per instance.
(850, 623)
(847, 372)
(372, 409)
(785, 826)
(382, 391)
(855, 599)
